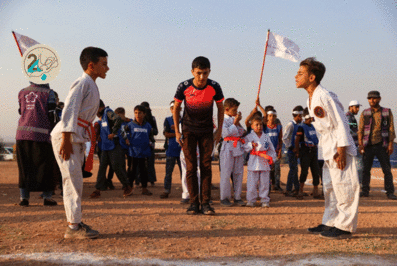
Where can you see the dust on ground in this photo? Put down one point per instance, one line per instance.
(147, 227)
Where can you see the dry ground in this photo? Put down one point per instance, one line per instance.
(150, 227)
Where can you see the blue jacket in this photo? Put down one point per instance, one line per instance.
(106, 143)
(274, 134)
(139, 140)
(174, 149)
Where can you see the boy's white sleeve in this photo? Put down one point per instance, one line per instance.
(338, 120)
(271, 151)
(288, 134)
(70, 112)
(248, 144)
(229, 130)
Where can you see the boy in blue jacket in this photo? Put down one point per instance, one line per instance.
(172, 152)
(140, 149)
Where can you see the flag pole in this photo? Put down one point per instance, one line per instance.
(263, 64)
(15, 37)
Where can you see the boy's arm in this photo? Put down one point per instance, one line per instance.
(218, 133)
(280, 143)
(176, 115)
(247, 120)
(298, 138)
(167, 130)
(155, 130)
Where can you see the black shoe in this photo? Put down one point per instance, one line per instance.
(206, 209)
(278, 188)
(319, 229)
(50, 202)
(185, 201)
(86, 174)
(364, 194)
(391, 196)
(336, 233)
(24, 203)
(193, 209)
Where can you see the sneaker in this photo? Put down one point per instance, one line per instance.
(152, 183)
(265, 205)
(391, 196)
(226, 203)
(24, 203)
(127, 191)
(96, 194)
(193, 209)
(239, 202)
(278, 188)
(110, 184)
(86, 174)
(206, 209)
(83, 232)
(319, 229)
(336, 233)
(164, 195)
(364, 194)
(250, 204)
(50, 202)
(214, 187)
(289, 194)
(185, 201)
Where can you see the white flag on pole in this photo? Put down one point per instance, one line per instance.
(280, 46)
(24, 42)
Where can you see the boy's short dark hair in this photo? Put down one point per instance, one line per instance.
(256, 118)
(269, 108)
(297, 108)
(314, 67)
(257, 114)
(91, 54)
(231, 102)
(120, 110)
(101, 103)
(201, 62)
(140, 108)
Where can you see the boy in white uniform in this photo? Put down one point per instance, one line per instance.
(337, 148)
(72, 132)
(262, 156)
(232, 154)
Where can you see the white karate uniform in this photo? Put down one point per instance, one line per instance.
(185, 192)
(82, 102)
(341, 187)
(231, 160)
(258, 167)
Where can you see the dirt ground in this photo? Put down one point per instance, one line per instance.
(150, 227)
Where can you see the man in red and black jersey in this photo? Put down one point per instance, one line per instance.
(199, 94)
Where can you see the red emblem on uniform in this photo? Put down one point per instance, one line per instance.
(319, 112)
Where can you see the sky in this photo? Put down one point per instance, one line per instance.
(151, 45)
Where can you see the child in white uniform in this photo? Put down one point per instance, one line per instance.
(262, 155)
(232, 154)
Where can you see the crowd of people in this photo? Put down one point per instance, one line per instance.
(51, 146)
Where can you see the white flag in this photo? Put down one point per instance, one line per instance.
(24, 42)
(280, 46)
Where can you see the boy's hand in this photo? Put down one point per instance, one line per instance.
(127, 142)
(296, 151)
(217, 135)
(340, 158)
(237, 119)
(257, 102)
(66, 146)
(173, 127)
(254, 145)
(178, 137)
(110, 136)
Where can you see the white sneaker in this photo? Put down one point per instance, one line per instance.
(250, 204)
(265, 205)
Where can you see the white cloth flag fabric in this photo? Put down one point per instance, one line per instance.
(280, 46)
(24, 42)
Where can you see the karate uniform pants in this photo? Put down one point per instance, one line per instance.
(72, 179)
(341, 193)
(253, 179)
(230, 164)
(185, 191)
